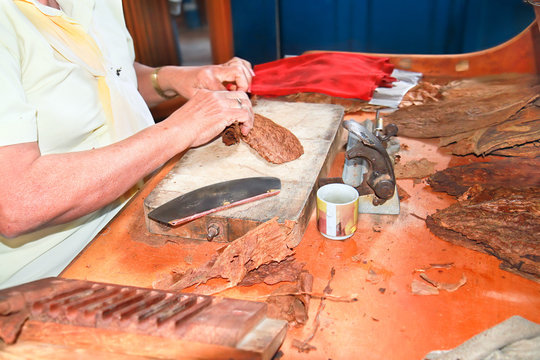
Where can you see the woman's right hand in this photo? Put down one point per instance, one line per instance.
(208, 113)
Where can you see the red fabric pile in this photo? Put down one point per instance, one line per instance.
(344, 75)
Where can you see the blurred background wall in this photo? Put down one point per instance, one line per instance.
(265, 30)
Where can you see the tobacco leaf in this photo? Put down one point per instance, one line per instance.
(232, 134)
(450, 287)
(273, 142)
(424, 92)
(274, 272)
(266, 243)
(521, 128)
(528, 150)
(349, 105)
(415, 169)
(503, 222)
(431, 286)
(467, 105)
(402, 194)
(515, 172)
(291, 301)
(304, 345)
(421, 288)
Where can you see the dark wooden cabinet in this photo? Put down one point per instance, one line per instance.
(149, 23)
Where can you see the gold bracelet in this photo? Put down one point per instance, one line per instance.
(157, 88)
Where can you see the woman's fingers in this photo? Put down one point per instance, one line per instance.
(244, 104)
(208, 113)
(239, 71)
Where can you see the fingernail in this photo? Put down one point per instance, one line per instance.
(252, 72)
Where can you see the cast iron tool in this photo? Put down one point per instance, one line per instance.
(367, 161)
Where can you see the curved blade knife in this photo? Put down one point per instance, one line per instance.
(215, 197)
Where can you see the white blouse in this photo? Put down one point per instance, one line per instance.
(50, 95)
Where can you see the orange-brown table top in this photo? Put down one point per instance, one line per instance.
(377, 265)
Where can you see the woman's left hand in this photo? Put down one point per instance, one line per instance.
(236, 74)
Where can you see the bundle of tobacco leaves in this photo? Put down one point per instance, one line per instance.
(497, 212)
(487, 115)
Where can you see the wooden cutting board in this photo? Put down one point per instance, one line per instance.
(317, 126)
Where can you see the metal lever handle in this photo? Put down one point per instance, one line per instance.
(381, 177)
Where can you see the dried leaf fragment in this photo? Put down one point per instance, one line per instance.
(262, 245)
(274, 272)
(415, 169)
(445, 286)
(421, 288)
(431, 286)
(303, 346)
(294, 306)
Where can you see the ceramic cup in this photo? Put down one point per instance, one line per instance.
(337, 211)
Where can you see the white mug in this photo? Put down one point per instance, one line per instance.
(337, 211)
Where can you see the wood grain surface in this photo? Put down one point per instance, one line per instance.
(317, 126)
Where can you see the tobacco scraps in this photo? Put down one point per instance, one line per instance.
(417, 169)
(268, 242)
(294, 306)
(274, 272)
(304, 345)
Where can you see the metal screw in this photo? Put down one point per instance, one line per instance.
(212, 232)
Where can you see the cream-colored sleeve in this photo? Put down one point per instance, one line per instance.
(17, 117)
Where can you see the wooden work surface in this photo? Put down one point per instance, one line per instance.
(377, 265)
(317, 126)
(388, 321)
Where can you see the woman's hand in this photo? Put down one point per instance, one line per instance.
(235, 74)
(208, 113)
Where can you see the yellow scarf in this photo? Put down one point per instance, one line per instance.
(72, 42)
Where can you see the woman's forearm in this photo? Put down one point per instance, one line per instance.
(40, 191)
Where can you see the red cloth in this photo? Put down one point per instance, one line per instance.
(344, 75)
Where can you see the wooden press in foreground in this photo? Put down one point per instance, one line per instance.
(317, 126)
(112, 319)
